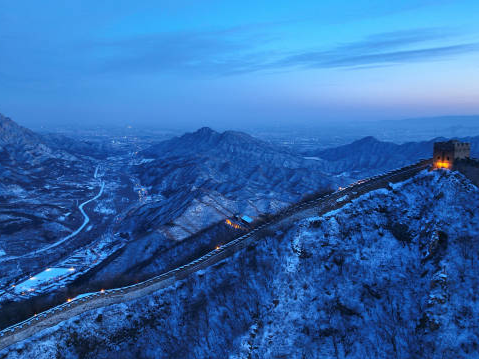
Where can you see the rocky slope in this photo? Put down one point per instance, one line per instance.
(391, 275)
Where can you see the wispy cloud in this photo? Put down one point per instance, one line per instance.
(237, 51)
(381, 49)
(329, 60)
(214, 52)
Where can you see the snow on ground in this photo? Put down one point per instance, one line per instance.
(2, 252)
(83, 295)
(47, 276)
(146, 160)
(105, 207)
(86, 220)
(341, 199)
(393, 274)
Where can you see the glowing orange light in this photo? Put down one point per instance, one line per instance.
(217, 247)
(232, 224)
(69, 300)
(102, 291)
(442, 164)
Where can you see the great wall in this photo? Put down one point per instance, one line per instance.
(314, 207)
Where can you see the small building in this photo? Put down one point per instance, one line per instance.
(246, 219)
(445, 153)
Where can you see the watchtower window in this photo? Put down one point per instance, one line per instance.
(438, 157)
(448, 158)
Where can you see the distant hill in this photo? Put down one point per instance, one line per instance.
(21, 145)
(451, 122)
(12, 134)
(99, 150)
(369, 155)
(419, 129)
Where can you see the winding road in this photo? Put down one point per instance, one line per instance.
(86, 220)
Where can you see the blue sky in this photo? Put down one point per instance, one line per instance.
(186, 64)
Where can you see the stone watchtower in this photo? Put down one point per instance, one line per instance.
(445, 153)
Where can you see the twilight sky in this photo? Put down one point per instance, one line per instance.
(186, 64)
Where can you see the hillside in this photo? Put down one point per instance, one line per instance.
(206, 176)
(390, 275)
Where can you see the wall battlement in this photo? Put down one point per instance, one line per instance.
(469, 167)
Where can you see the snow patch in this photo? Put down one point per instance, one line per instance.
(48, 275)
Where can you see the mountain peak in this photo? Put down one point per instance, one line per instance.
(205, 131)
(12, 133)
(367, 139)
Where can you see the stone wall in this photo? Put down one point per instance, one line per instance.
(469, 168)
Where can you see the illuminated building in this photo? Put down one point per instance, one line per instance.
(445, 153)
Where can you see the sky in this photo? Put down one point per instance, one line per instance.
(236, 64)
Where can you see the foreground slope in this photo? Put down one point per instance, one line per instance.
(391, 275)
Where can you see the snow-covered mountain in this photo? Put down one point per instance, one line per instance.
(205, 176)
(229, 162)
(391, 275)
(196, 181)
